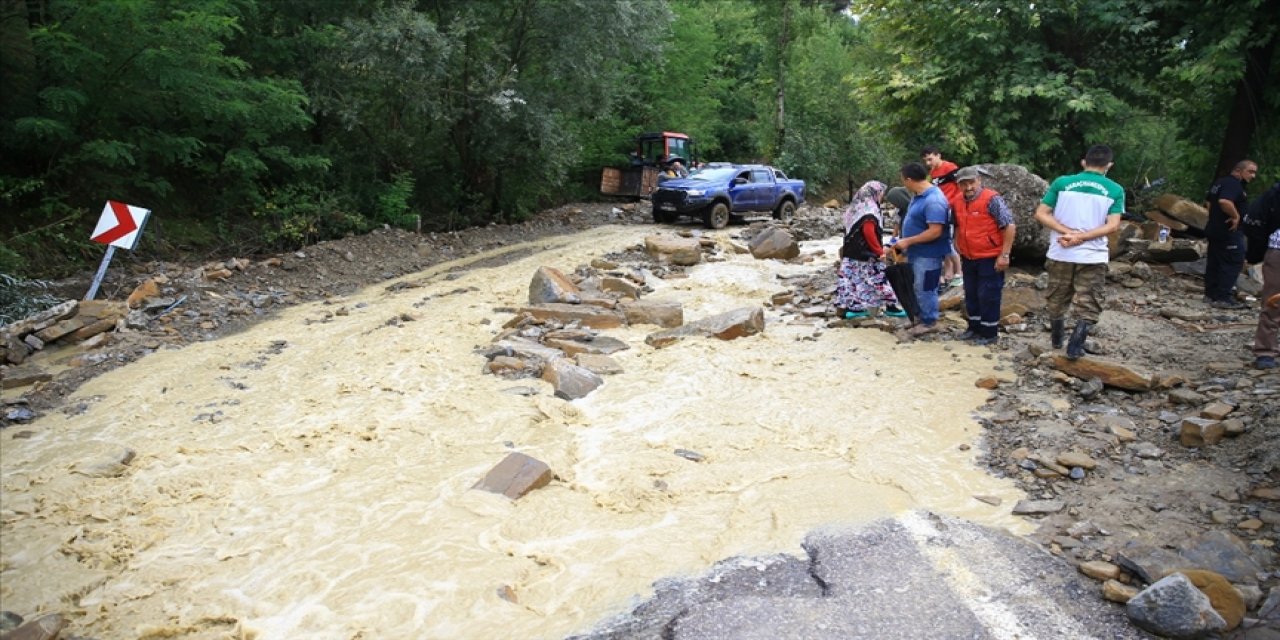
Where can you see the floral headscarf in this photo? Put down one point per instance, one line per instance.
(866, 202)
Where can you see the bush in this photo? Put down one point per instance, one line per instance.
(20, 298)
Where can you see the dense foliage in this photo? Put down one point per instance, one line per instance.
(255, 124)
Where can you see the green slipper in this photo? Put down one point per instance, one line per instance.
(850, 315)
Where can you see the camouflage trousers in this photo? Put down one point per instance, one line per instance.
(1081, 285)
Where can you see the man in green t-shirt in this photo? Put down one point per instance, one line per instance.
(1080, 211)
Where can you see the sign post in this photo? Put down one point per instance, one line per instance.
(119, 226)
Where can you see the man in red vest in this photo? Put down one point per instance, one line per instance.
(984, 238)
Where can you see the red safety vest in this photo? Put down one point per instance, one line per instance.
(977, 234)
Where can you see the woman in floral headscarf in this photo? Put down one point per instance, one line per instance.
(860, 281)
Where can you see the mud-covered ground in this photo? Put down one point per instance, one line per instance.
(1145, 493)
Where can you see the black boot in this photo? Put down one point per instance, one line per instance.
(1075, 348)
(1056, 331)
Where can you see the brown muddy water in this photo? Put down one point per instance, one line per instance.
(322, 489)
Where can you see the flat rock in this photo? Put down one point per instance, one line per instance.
(38, 321)
(1117, 591)
(1223, 553)
(1216, 410)
(569, 380)
(1174, 608)
(774, 242)
(1100, 570)
(24, 375)
(61, 328)
(673, 249)
(1201, 432)
(1037, 507)
(1183, 210)
(598, 364)
(666, 314)
(1112, 374)
(515, 476)
(600, 345)
(1074, 459)
(1186, 396)
(1149, 563)
(551, 285)
(620, 286)
(585, 315)
(730, 325)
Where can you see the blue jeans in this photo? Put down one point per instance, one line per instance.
(927, 272)
(983, 288)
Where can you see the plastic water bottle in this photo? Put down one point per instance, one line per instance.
(1164, 234)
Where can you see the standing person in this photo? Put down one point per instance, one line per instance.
(1264, 218)
(1225, 258)
(860, 281)
(943, 173)
(926, 240)
(984, 239)
(1080, 211)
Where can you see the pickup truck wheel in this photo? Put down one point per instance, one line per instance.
(662, 217)
(717, 217)
(785, 211)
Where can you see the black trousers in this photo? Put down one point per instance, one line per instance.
(983, 289)
(1223, 264)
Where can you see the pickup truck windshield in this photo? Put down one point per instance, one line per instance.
(720, 174)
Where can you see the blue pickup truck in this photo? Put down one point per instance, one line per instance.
(718, 191)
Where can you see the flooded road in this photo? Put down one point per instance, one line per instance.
(310, 477)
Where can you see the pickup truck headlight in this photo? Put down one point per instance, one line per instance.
(696, 192)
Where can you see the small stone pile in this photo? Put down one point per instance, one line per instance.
(67, 323)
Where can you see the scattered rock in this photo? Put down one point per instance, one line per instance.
(674, 250)
(994, 501)
(730, 325)
(1117, 591)
(551, 285)
(1216, 410)
(1174, 608)
(693, 456)
(987, 382)
(1149, 563)
(1099, 570)
(569, 380)
(1186, 396)
(516, 476)
(663, 314)
(1037, 507)
(598, 364)
(21, 376)
(1201, 432)
(1073, 459)
(1222, 596)
(585, 315)
(1222, 553)
(774, 242)
(1112, 374)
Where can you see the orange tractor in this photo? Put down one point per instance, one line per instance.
(653, 151)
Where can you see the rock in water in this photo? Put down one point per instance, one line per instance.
(551, 285)
(1175, 608)
(46, 627)
(1022, 191)
(774, 243)
(678, 251)
(570, 381)
(515, 476)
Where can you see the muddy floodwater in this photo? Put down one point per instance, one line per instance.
(311, 476)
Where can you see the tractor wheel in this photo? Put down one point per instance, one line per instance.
(717, 217)
(785, 211)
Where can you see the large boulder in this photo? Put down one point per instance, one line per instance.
(773, 242)
(673, 249)
(1022, 190)
(1183, 210)
(551, 285)
(1174, 608)
(730, 325)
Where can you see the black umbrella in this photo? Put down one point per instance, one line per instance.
(903, 281)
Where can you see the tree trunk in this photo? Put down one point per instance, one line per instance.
(781, 122)
(1247, 107)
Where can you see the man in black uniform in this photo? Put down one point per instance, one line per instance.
(1227, 200)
